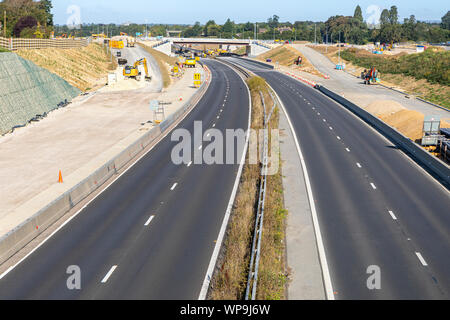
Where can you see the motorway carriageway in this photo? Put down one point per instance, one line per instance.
(151, 234)
(375, 206)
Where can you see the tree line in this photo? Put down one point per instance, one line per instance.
(26, 18)
(30, 19)
(351, 29)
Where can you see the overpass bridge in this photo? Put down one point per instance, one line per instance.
(170, 45)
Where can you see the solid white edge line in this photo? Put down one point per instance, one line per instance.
(392, 215)
(149, 220)
(373, 186)
(6, 272)
(320, 247)
(162, 137)
(422, 260)
(174, 186)
(223, 228)
(109, 274)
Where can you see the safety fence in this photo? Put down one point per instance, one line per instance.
(28, 91)
(19, 237)
(19, 43)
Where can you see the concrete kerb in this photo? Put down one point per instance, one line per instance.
(25, 232)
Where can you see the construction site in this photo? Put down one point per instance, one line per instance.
(238, 161)
(75, 105)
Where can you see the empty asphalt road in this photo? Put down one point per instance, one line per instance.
(377, 209)
(151, 234)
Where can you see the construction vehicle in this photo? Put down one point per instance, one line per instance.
(117, 44)
(122, 61)
(190, 62)
(100, 35)
(131, 42)
(133, 71)
(370, 76)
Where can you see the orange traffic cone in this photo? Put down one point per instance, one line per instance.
(60, 180)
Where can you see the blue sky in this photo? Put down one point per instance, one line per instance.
(189, 11)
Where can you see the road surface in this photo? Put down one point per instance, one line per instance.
(151, 234)
(375, 206)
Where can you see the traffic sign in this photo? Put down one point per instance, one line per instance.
(197, 80)
(154, 105)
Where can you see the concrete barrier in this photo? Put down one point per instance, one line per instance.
(20, 236)
(433, 165)
(91, 183)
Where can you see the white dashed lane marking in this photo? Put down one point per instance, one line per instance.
(109, 274)
(421, 259)
(392, 215)
(149, 220)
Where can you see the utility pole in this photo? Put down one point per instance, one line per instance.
(315, 36)
(326, 40)
(339, 47)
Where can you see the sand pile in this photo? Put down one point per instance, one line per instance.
(384, 107)
(286, 55)
(408, 122)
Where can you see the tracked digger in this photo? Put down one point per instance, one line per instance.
(133, 71)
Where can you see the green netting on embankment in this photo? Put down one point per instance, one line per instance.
(28, 91)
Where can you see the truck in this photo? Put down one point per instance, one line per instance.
(190, 62)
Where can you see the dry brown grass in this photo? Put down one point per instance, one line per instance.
(85, 68)
(229, 283)
(165, 63)
(433, 92)
(272, 276)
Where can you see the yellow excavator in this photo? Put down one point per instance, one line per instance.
(133, 71)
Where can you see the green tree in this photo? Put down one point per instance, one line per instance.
(249, 26)
(228, 26)
(205, 28)
(384, 17)
(214, 30)
(446, 21)
(393, 15)
(273, 22)
(46, 6)
(358, 14)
